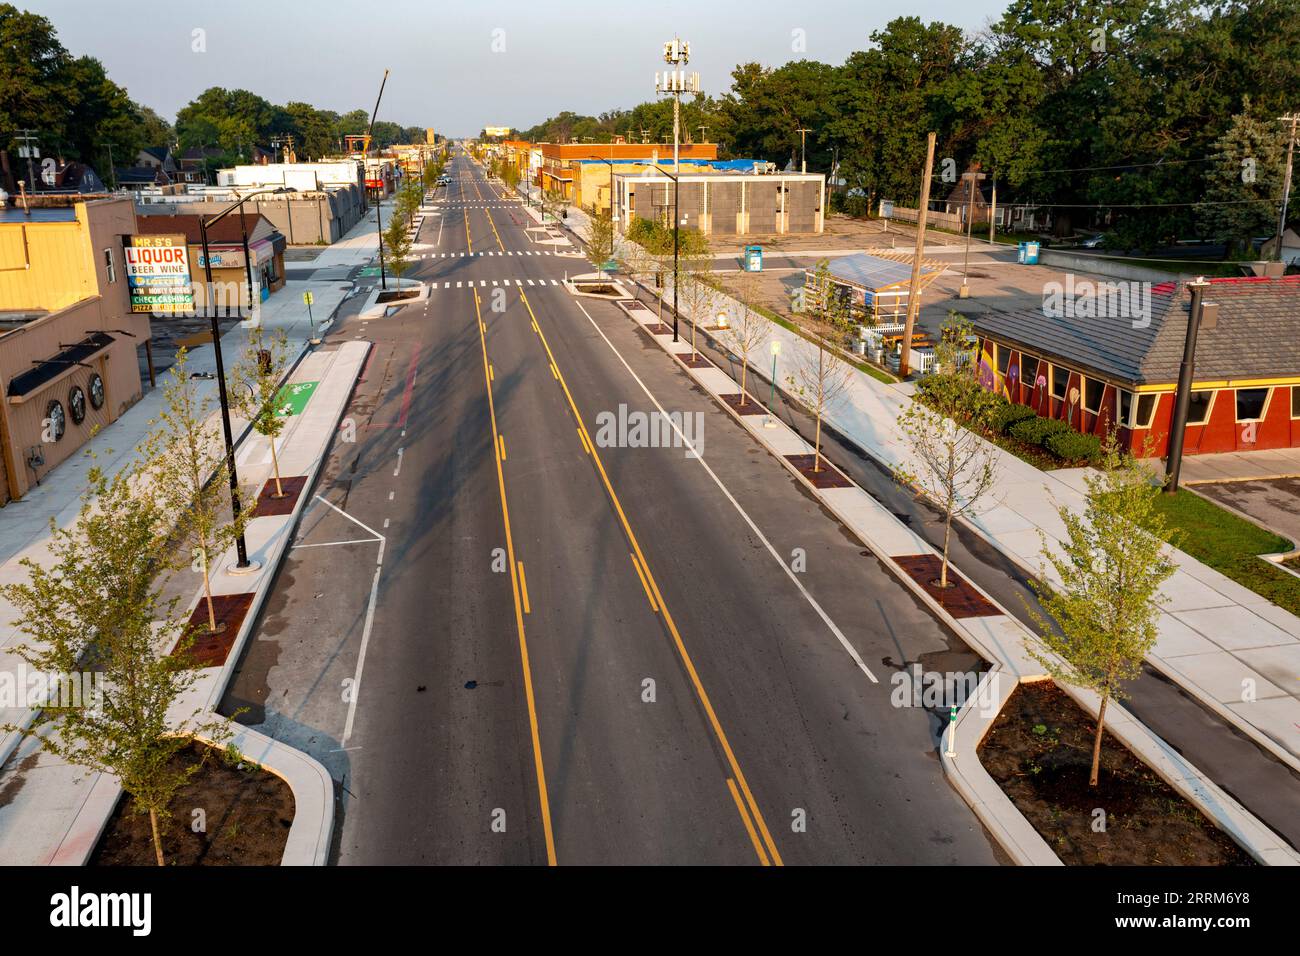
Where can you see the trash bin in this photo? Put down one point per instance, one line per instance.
(1027, 253)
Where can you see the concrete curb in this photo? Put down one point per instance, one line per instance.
(1000, 639)
(312, 786)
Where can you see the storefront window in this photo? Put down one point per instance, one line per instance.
(1093, 390)
(1060, 381)
(1146, 410)
(1251, 403)
(1198, 412)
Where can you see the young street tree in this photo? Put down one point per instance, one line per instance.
(98, 610)
(1111, 564)
(820, 375)
(255, 389)
(600, 237)
(189, 474)
(951, 465)
(696, 289)
(747, 330)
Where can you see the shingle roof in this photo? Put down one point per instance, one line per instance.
(1257, 336)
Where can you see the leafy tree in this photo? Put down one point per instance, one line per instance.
(256, 389)
(190, 474)
(98, 608)
(747, 330)
(820, 375)
(697, 286)
(1100, 621)
(1243, 184)
(600, 236)
(951, 465)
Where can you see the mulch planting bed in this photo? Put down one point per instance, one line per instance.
(750, 407)
(698, 361)
(211, 649)
(828, 477)
(959, 599)
(658, 328)
(268, 505)
(1039, 751)
(398, 296)
(246, 815)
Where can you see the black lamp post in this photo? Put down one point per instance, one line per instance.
(677, 221)
(241, 547)
(1200, 313)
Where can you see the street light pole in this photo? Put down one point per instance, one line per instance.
(1199, 311)
(241, 546)
(771, 396)
(676, 241)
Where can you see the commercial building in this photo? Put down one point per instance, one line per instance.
(318, 204)
(1105, 355)
(69, 341)
(231, 272)
(556, 172)
(726, 202)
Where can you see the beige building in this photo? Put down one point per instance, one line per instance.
(726, 203)
(69, 343)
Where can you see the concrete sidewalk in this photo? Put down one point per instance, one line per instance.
(56, 812)
(1230, 648)
(996, 635)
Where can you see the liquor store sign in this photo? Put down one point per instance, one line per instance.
(158, 274)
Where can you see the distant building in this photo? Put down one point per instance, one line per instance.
(558, 160)
(1108, 355)
(68, 338)
(725, 202)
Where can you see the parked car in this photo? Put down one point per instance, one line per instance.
(1094, 242)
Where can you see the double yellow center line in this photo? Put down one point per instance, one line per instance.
(517, 585)
(746, 805)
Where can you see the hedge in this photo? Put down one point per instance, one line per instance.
(1035, 431)
(1073, 446)
(1004, 416)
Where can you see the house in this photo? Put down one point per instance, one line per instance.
(1107, 354)
(158, 157)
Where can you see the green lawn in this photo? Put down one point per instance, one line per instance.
(1230, 545)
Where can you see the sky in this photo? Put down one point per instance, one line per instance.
(460, 66)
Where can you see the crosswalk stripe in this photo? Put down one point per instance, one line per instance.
(530, 281)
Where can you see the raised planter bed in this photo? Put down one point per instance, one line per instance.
(1039, 751)
(247, 813)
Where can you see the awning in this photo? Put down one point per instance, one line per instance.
(47, 370)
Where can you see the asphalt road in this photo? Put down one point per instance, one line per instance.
(511, 643)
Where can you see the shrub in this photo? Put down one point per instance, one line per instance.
(1074, 446)
(1035, 431)
(1004, 416)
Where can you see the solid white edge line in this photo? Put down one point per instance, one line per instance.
(844, 641)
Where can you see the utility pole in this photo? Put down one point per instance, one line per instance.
(379, 199)
(993, 208)
(675, 82)
(1199, 312)
(972, 179)
(1294, 120)
(28, 150)
(803, 148)
(914, 290)
(703, 130)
